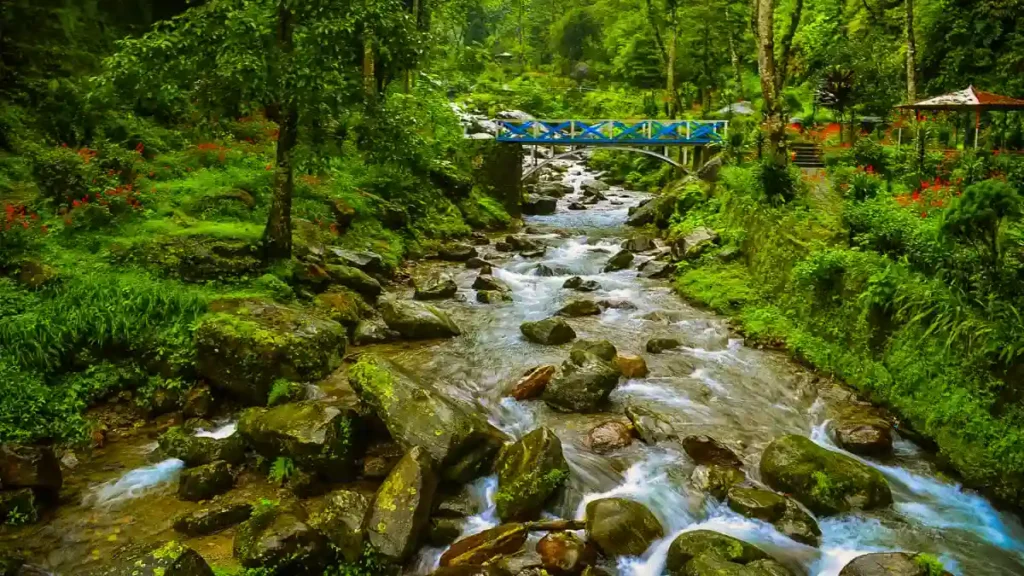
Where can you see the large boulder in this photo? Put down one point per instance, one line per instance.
(639, 244)
(198, 450)
(529, 471)
(592, 186)
(548, 331)
(706, 450)
(657, 211)
(581, 285)
(621, 527)
(487, 546)
(540, 205)
(757, 503)
(565, 553)
(341, 521)
(355, 279)
(247, 345)
(461, 443)
(610, 436)
(317, 437)
(35, 467)
(520, 243)
(436, 287)
(369, 262)
(416, 320)
(457, 252)
(862, 431)
(717, 480)
(343, 305)
(278, 539)
(631, 366)
(578, 308)
(657, 269)
(825, 481)
(533, 382)
(212, 519)
(650, 426)
(170, 559)
(400, 511)
(659, 345)
(694, 244)
(583, 350)
(206, 481)
(891, 564)
(619, 261)
(583, 386)
(373, 331)
(717, 551)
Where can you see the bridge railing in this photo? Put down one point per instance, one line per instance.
(613, 132)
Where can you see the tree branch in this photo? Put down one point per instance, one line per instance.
(782, 69)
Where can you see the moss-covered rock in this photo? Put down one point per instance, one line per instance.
(212, 519)
(437, 287)
(550, 331)
(489, 282)
(206, 481)
(717, 480)
(344, 306)
(651, 426)
(621, 527)
(248, 344)
(342, 521)
(619, 261)
(369, 262)
(581, 387)
(530, 471)
(34, 274)
(199, 450)
(463, 444)
(891, 564)
(457, 252)
(493, 296)
(355, 279)
(170, 559)
(659, 345)
(417, 320)
(278, 539)
(713, 545)
(198, 402)
(398, 515)
(583, 349)
(196, 258)
(579, 308)
(373, 331)
(825, 481)
(581, 285)
(487, 546)
(799, 525)
(756, 503)
(317, 437)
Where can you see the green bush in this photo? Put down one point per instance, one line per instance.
(64, 175)
(977, 216)
(778, 182)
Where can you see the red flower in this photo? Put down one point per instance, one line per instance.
(44, 229)
(924, 214)
(76, 203)
(916, 195)
(24, 224)
(269, 167)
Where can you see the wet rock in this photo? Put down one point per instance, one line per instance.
(493, 296)
(556, 189)
(476, 263)
(355, 279)
(616, 304)
(486, 547)
(199, 450)
(341, 522)
(18, 507)
(621, 527)
(593, 186)
(797, 524)
(657, 269)
(610, 436)
(825, 481)
(767, 567)
(565, 553)
(594, 571)
(212, 519)
(36, 467)
(162, 401)
(533, 382)
(631, 366)
(400, 510)
(756, 503)
(638, 244)
(170, 559)
(488, 282)
(435, 288)
(206, 481)
(659, 345)
(717, 480)
(457, 252)
(316, 437)
(248, 345)
(861, 431)
(657, 211)
(416, 320)
(577, 283)
(649, 425)
(520, 243)
(550, 270)
(713, 547)
(278, 539)
(551, 331)
(369, 262)
(706, 450)
(463, 444)
(443, 531)
(540, 205)
(574, 205)
(694, 244)
(380, 459)
(198, 402)
(529, 472)
(583, 349)
(578, 308)
(889, 564)
(502, 246)
(469, 571)
(373, 331)
(584, 387)
(344, 306)
(460, 504)
(619, 261)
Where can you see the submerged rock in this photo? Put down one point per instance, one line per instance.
(278, 539)
(248, 345)
(416, 320)
(550, 331)
(212, 519)
(435, 288)
(463, 444)
(825, 481)
(706, 450)
(621, 527)
(529, 472)
(206, 481)
(398, 516)
(533, 382)
(486, 547)
(890, 564)
(170, 559)
(649, 425)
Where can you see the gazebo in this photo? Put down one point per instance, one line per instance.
(966, 100)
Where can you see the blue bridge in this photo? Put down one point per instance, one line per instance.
(613, 132)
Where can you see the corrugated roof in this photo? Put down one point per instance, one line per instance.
(968, 98)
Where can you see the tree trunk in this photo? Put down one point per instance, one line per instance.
(277, 236)
(774, 126)
(911, 54)
(369, 78)
(670, 73)
(416, 20)
(522, 49)
(737, 66)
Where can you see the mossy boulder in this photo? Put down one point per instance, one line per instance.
(798, 524)
(530, 471)
(621, 527)
(199, 450)
(25, 466)
(713, 546)
(461, 443)
(659, 345)
(583, 386)
(717, 480)
(170, 559)
(489, 282)
(551, 331)
(582, 350)
(247, 345)
(437, 287)
(619, 261)
(892, 564)
(487, 546)
(826, 482)
(369, 262)
(342, 521)
(417, 320)
(317, 437)
(756, 503)
(578, 308)
(279, 540)
(343, 305)
(33, 274)
(212, 519)
(398, 515)
(493, 296)
(694, 244)
(373, 331)
(198, 402)
(355, 279)
(206, 481)
(581, 285)
(196, 258)
(651, 426)
(457, 252)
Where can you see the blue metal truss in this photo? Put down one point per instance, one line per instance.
(613, 132)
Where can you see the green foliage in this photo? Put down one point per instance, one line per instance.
(64, 175)
(932, 565)
(977, 217)
(284, 391)
(370, 563)
(778, 182)
(281, 470)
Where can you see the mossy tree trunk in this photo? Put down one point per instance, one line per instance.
(277, 236)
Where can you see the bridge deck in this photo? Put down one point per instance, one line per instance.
(613, 132)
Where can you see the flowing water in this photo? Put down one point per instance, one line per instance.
(714, 385)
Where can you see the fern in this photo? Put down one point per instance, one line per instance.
(281, 470)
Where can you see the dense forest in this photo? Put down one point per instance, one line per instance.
(269, 283)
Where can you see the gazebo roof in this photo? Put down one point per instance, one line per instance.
(968, 99)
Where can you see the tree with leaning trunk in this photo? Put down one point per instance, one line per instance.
(772, 65)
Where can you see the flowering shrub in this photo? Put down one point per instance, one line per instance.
(64, 174)
(19, 230)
